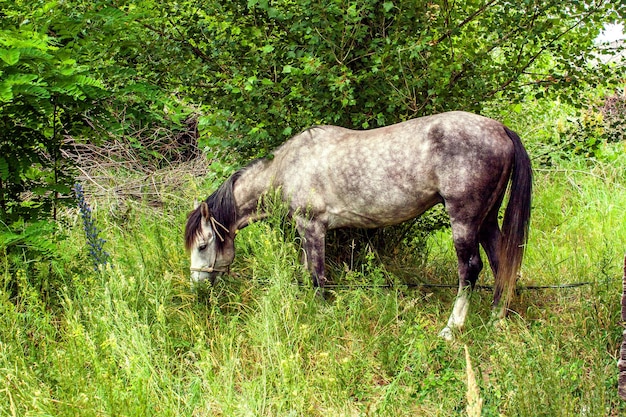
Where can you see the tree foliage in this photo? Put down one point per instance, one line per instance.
(258, 71)
(262, 70)
(43, 93)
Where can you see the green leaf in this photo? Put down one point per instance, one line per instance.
(31, 90)
(387, 6)
(21, 79)
(10, 56)
(8, 238)
(4, 169)
(6, 92)
(35, 54)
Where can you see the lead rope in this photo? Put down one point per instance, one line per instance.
(209, 269)
(215, 222)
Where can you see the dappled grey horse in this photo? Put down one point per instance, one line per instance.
(332, 177)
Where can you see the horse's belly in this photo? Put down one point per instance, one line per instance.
(379, 213)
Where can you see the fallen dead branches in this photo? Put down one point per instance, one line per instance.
(143, 167)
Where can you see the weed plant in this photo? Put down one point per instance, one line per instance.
(99, 257)
(134, 340)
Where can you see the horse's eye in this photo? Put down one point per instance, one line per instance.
(202, 247)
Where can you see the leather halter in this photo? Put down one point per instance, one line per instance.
(212, 268)
(209, 269)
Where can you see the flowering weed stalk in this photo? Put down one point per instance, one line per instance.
(97, 253)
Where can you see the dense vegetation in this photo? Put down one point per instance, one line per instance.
(116, 115)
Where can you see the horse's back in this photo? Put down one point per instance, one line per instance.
(449, 130)
(390, 174)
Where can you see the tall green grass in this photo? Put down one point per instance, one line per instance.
(133, 340)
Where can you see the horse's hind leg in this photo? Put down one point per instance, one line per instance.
(490, 236)
(465, 236)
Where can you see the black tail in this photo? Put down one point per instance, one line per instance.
(516, 222)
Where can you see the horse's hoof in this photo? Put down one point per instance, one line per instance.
(321, 294)
(499, 324)
(447, 334)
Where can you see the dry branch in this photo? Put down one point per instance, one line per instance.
(146, 166)
(474, 401)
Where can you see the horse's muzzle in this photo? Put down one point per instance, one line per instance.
(205, 274)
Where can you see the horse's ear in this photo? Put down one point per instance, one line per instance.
(204, 210)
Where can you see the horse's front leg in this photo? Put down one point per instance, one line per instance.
(459, 312)
(313, 234)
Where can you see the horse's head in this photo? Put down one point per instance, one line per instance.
(210, 243)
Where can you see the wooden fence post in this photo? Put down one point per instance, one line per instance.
(621, 363)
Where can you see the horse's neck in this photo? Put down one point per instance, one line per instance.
(248, 189)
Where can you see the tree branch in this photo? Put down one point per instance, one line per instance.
(465, 22)
(532, 60)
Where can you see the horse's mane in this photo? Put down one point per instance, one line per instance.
(222, 208)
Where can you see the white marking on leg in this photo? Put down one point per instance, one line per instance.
(459, 313)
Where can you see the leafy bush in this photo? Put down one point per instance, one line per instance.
(584, 133)
(259, 71)
(613, 111)
(271, 69)
(43, 94)
(356, 249)
(59, 82)
(581, 136)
